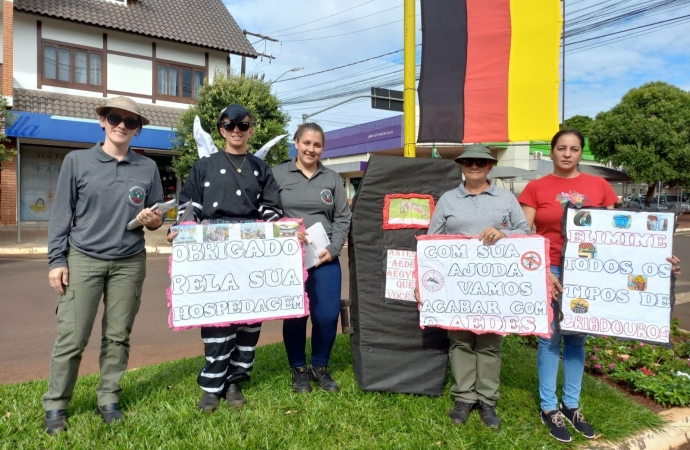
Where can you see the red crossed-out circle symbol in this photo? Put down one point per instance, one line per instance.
(531, 261)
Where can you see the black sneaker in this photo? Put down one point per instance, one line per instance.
(300, 380)
(554, 420)
(234, 396)
(575, 417)
(323, 378)
(460, 412)
(489, 416)
(209, 402)
(55, 421)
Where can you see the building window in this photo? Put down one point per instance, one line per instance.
(179, 83)
(72, 67)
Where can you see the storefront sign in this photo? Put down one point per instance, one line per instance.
(616, 279)
(501, 288)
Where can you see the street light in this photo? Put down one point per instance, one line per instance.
(296, 69)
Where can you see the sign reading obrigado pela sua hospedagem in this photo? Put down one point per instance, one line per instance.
(236, 273)
(616, 280)
(500, 288)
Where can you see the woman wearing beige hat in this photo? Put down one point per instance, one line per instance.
(477, 207)
(93, 255)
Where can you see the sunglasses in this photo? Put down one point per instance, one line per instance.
(230, 126)
(480, 163)
(130, 124)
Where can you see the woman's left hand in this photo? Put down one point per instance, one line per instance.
(324, 257)
(675, 264)
(150, 219)
(491, 235)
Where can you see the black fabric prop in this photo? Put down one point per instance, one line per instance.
(558, 305)
(390, 352)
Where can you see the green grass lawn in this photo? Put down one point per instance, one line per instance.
(159, 403)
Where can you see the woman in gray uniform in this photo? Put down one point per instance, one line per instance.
(314, 193)
(477, 208)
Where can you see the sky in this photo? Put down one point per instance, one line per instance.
(595, 80)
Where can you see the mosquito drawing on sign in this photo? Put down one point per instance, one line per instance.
(408, 206)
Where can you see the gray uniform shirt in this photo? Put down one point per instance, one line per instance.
(320, 198)
(459, 212)
(96, 197)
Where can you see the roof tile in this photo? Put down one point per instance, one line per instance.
(175, 20)
(85, 107)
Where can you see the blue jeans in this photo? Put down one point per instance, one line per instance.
(323, 289)
(548, 355)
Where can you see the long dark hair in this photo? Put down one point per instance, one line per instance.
(311, 126)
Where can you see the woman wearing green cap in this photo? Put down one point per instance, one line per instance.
(477, 208)
(93, 255)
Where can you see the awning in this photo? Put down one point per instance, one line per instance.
(69, 129)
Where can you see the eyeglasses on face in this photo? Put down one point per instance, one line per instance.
(230, 126)
(115, 120)
(468, 162)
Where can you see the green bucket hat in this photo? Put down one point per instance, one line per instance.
(476, 151)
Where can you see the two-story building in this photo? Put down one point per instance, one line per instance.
(61, 59)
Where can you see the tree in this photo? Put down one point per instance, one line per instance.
(253, 94)
(581, 123)
(6, 119)
(647, 133)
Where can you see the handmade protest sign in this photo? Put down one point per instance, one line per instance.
(616, 280)
(400, 280)
(500, 288)
(236, 273)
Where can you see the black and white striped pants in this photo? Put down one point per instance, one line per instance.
(229, 355)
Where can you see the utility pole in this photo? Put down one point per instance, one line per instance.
(264, 55)
(410, 141)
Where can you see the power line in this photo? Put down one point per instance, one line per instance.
(318, 20)
(340, 67)
(345, 34)
(341, 23)
(628, 29)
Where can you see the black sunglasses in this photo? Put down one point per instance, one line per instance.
(130, 124)
(480, 163)
(230, 126)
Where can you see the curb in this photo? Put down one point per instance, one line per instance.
(6, 251)
(672, 435)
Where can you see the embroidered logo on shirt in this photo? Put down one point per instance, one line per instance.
(327, 196)
(504, 222)
(137, 195)
(572, 197)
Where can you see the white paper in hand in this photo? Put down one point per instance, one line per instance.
(318, 240)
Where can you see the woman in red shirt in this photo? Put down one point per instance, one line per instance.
(543, 202)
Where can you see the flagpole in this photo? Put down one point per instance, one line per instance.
(563, 68)
(409, 96)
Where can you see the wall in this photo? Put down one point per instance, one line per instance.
(131, 74)
(8, 191)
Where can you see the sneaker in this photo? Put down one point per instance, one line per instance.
(55, 421)
(489, 416)
(460, 412)
(323, 378)
(234, 396)
(209, 402)
(554, 420)
(300, 380)
(575, 417)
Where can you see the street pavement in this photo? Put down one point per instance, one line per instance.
(28, 324)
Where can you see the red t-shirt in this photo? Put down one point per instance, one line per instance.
(548, 196)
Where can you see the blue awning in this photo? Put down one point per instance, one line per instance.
(71, 129)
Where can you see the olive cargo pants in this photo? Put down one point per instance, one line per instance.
(119, 283)
(475, 360)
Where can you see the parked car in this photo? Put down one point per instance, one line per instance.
(637, 202)
(674, 202)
